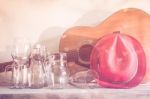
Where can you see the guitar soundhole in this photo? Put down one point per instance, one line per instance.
(85, 52)
(81, 56)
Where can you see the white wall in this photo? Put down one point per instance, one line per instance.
(46, 20)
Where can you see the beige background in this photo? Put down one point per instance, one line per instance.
(45, 20)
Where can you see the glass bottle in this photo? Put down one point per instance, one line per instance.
(37, 73)
(58, 73)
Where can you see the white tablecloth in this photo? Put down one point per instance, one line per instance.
(139, 92)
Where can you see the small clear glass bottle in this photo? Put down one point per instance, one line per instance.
(58, 73)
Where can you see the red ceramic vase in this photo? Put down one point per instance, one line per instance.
(119, 60)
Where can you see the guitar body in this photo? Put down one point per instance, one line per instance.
(132, 21)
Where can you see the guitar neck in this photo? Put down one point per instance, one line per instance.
(3, 65)
(80, 57)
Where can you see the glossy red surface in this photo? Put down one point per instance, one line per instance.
(119, 60)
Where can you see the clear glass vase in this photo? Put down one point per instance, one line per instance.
(57, 72)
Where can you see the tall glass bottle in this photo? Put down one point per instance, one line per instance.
(37, 73)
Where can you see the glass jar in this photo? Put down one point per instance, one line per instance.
(37, 72)
(57, 72)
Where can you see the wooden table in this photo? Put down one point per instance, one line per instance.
(139, 92)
